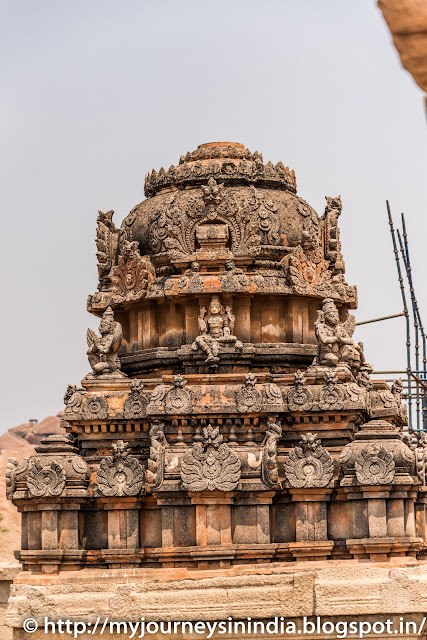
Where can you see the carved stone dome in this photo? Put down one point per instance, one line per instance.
(221, 183)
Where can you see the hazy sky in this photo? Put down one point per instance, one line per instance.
(96, 93)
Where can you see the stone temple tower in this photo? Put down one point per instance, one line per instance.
(229, 425)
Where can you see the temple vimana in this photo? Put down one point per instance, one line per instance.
(229, 425)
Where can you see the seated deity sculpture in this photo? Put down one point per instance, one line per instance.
(102, 352)
(335, 344)
(216, 326)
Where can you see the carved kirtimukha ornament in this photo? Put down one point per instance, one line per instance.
(178, 399)
(136, 402)
(300, 397)
(132, 274)
(210, 464)
(270, 472)
(331, 396)
(309, 465)
(121, 474)
(102, 351)
(216, 326)
(249, 398)
(335, 344)
(374, 465)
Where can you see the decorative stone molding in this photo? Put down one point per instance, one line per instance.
(231, 164)
(121, 474)
(249, 398)
(132, 275)
(269, 470)
(210, 464)
(156, 460)
(45, 480)
(178, 399)
(309, 465)
(374, 465)
(331, 396)
(94, 408)
(300, 397)
(136, 403)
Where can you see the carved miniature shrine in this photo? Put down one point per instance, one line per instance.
(229, 417)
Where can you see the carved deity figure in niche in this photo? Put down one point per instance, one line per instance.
(335, 343)
(102, 351)
(216, 326)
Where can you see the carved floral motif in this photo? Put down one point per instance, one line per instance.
(331, 396)
(178, 399)
(120, 474)
(48, 480)
(374, 465)
(95, 408)
(309, 465)
(132, 275)
(136, 403)
(210, 464)
(299, 397)
(249, 398)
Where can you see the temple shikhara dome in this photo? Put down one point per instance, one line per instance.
(229, 418)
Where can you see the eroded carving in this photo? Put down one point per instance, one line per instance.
(300, 397)
(216, 326)
(249, 398)
(178, 399)
(132, 275)
(45, 480)
(136, 402)
(120, 474)
(102, 351)
(331, 396)
(73, 399)
(309, 465)
(156, 460)
(107, 239)
(210, 464)
(270, 472)
(374, 465)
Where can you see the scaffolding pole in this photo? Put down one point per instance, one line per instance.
(405, 310)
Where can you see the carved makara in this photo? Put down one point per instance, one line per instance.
(136, 403)
(331, 233)
(156, 460)
(132, 275)
(102, 350)
(11, 467)
(73, 399)
(178, 399)
(120, 474)
(309, 465)
(249, 398)
(300, 397)
(210, 464)
(374, 465)
(45, 480)
(270, 472)
(107, 240)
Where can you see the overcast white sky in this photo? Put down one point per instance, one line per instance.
(97, 93)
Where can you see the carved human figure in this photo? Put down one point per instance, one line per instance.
(216, 325)
(102, 351)
(335, 344)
